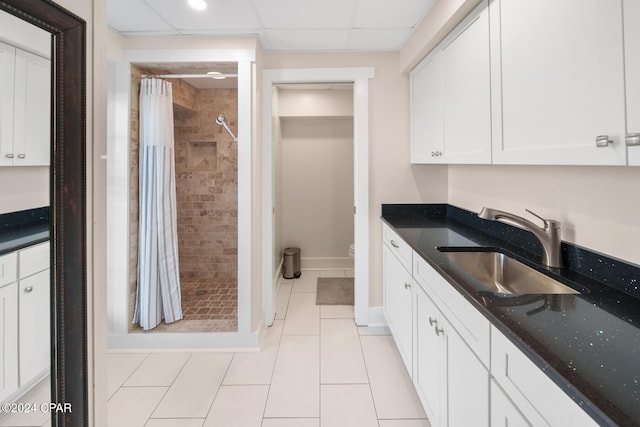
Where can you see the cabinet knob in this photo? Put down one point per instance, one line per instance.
(10, 156)
(22, 156)
(407, 285)
(436, 153)
(603, 141)
(632, 139)
(28, 289)
(394, 244)
(432, 321)
(439, 331)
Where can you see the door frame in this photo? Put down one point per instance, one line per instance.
(359, 77)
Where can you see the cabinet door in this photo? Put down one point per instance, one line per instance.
(425, 81)
(431, 360)
(398, 303)
(632, 74)
(7, 68)
(467, 385)
(466, 91)
(503, 412)
(8, 340)
(557, 81)
(32, 130)
(33, 295)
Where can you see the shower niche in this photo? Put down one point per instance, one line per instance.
(206, 171)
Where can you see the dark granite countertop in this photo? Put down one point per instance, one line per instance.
(23, 228)
(588, 344)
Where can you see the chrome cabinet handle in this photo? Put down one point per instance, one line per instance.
(22, 156)
(439, 331)
(436, 153)
(394, 244)
(10, 156)
(407, 285)
(603, 141)
(432, 321)
(632, 139)
(28, 289)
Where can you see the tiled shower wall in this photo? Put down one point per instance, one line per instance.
(206, 185)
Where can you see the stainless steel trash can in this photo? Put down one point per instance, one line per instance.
(291, 267)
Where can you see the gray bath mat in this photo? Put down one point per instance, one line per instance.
(334, 291)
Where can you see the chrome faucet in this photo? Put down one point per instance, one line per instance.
(549, 235)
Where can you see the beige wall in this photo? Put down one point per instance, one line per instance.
(599, 207)
(317, 185)
(32, 191)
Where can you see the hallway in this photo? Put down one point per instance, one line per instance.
(316, 368)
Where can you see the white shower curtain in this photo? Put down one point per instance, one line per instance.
(158, 293)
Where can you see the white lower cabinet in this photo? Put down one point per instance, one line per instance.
(35, 354)
(24, 319)
(465, 371)
(503, 412)
(8, 340)
(450, 380)
(397, 304)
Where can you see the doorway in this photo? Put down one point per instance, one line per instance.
(358, 78)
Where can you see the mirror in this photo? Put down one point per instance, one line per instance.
(67, 214)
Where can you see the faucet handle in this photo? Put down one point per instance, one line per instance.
(548, 223)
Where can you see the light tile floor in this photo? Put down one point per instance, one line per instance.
(315, 368)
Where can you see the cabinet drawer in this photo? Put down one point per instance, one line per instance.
(398, 246)
(8, 268)
(532, 391)
(470, 324)
(34, 259)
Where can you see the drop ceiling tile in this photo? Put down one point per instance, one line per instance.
(385, 39)
(220, 14)
(303, 14)
(391, 14)
(134, 16)
(308, 40)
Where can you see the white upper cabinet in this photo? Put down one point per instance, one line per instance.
(25, 108)
(450, 97)
(558, 82)
(32, 120)
(427, 143)
(466, 91)
(7, 73)
(632, 70)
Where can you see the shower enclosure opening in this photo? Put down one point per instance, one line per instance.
(205, 109)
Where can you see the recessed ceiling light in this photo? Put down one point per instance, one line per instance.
(213, 75)
(198, 4)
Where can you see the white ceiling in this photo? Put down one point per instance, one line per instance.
(281, 25)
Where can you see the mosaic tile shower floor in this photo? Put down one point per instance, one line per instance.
(208, 305)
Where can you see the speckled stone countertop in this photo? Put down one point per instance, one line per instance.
(23, 228)
(588, 344)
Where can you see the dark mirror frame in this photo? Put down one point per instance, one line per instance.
(69, 373)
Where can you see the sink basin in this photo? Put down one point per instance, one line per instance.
(502, 274)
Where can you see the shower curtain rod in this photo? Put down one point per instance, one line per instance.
(188, 76)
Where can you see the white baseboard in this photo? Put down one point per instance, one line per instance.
(376, 317)
(187, 342)
(345, 263)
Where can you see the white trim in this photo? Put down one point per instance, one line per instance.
(185, 342)
(377, 318)
(360, 78)
(345, 263)
(118, 147)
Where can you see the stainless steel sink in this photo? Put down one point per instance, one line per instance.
(502, 274)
